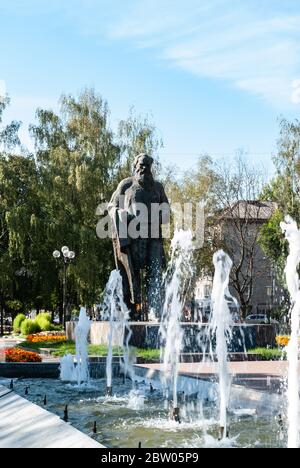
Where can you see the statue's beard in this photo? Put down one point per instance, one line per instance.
(145, 180)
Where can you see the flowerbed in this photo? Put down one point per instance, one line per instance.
(44, 338)
(19, 355)
(282, 340)
(51, 333)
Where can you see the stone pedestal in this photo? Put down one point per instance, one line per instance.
(146, 335)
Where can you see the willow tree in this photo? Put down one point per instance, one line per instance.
(77, 160)
(137, 134)
(8, 140)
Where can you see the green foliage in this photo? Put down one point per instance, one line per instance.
(9, 138)
(43, 316)
(136, 135)
(269, 354)
(18, 322)
(59, 349)
(271, 237)
(195, 186)
(30, 327)
(50, 199)
(284, 190)
(148, 355)
(56, 327)
(44, 321)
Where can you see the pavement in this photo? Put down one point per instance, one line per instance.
(262, 368)
(26, 425)
(259, 375)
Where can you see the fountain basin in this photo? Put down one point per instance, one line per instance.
(126, 419)
(146, 335)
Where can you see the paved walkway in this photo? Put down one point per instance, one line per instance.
(262, 368)
(259, 375)
(25, 425)
(259, 368)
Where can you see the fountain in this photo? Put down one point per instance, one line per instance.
(144, 396)
(177, 279)
(142, 402)
(292, 233)
(82, 353)
(220, 327)
(67, 368)
(79, 371)
(119, 328)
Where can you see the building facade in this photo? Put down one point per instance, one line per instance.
(253, 280)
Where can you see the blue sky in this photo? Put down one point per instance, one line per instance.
(215, 75)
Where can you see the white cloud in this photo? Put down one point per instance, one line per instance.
(254, 46)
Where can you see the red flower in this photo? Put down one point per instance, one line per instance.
(19, 355)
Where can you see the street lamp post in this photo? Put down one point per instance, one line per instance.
(66, 255)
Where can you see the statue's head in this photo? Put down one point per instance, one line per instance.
(143, 168)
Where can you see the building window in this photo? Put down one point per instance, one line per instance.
(207, 290)
(269, 291)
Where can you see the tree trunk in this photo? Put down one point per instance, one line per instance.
(61, 312)
(1, 320)
(244, 310)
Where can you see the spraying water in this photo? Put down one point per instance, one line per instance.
(67, 368)
(178, 276)
(69, 372)
(119, 329)
(82, 353)
(220, 326)
(292, 234)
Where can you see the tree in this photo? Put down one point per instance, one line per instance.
(188, 192)
(50, 199)
(9, 137)
(136, 135)
(238, 220)
(283, 189)
(77, 159)
(8, 140)
(80, 162)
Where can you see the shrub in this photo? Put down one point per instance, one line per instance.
(44, 321)
(29, 327)
(44, 316)
(19, 355)
(272, 354)
(18, 322)
(56, 328)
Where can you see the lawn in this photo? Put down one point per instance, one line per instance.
(59, 349)
(269, 354)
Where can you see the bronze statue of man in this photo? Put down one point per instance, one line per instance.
(138, 209)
